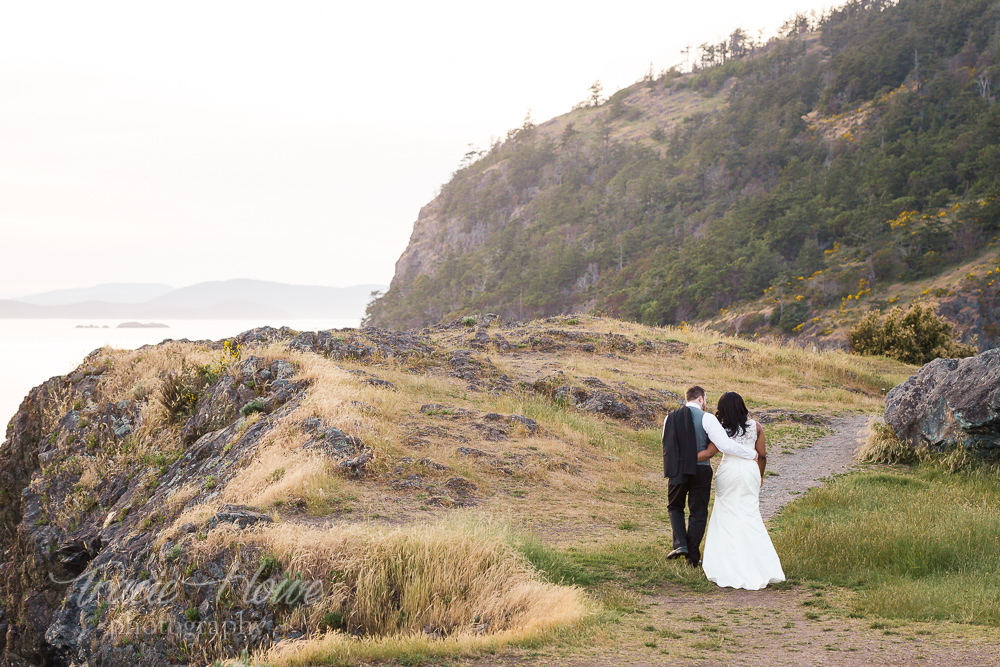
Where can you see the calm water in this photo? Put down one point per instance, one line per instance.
(32, 351)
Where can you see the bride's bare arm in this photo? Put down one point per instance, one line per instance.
(708, 452)
(761, 448)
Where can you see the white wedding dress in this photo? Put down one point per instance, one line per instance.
(738, 551)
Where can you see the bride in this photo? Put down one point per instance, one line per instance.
(738, 551)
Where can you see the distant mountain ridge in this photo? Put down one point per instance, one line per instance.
(228, 299)
(108, 292)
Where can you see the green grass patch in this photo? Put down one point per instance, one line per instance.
(631, 563)
(794, 436)
(554, 564)
(916, 542)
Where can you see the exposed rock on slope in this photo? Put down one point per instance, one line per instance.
(950, 402)
(84, 493)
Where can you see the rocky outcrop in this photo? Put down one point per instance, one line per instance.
(948, 403)
(89, 509)
(642, 409)
(976, 313)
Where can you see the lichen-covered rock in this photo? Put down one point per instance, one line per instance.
(530, 425)
(950, 402)
(367, 345)
(480, 373)
(640, 408)
(605, 404)
(240, 516)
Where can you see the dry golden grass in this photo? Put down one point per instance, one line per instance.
(766, 373)
(440, 588)
(576, 452)
(278, 476)
(281, 473)
(91, 475)
(141, 372)
(196, 514)
(335, 648)
(878, 444)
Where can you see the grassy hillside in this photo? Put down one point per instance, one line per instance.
(864, 146)
(966, 294)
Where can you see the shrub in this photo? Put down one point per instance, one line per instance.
(915, 337)
(792, 316)
(468, 321)
(331, 621)
(179, 392)
(256, 405)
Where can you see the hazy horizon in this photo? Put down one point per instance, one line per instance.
(175, 288)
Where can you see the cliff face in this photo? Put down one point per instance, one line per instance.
(124, 523)
(92, 480)
(684, 195)
(487, 243)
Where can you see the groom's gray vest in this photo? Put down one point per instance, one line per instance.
(700, 437)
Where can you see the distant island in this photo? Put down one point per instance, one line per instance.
(143, 325)
(91, 326)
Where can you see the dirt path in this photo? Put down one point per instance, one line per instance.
(801, 469)
(798, 626)
(762, 628)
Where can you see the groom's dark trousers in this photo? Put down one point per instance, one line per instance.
(695, 489)
(690, 482)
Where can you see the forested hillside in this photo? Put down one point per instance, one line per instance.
(864, 145)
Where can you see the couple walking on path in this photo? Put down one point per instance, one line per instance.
(738, 551)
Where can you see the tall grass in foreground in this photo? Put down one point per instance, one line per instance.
(920, 543)
(439, 589)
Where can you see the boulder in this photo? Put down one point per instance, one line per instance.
(950, 402)
(605, 404)
(239, 515)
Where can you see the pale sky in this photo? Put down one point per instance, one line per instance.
(180, 142)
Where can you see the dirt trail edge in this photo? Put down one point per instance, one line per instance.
(771, 627)
(803, 469)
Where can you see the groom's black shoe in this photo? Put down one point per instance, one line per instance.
(679, 552)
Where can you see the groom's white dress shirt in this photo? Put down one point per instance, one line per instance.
(718, 437)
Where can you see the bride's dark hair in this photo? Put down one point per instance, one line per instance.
(732, 413)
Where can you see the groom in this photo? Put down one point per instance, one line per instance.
(686, 432)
